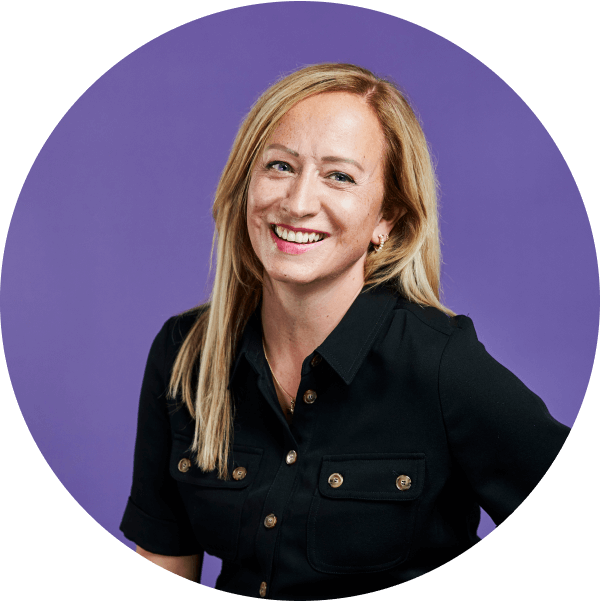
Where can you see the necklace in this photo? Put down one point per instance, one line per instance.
(292, 399)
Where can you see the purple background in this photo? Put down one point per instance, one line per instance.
(112, 230)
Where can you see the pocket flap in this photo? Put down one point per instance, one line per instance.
(373, 477)
(241, 457)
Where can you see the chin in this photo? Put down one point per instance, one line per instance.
(292, 277)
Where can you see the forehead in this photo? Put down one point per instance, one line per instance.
(332, 118)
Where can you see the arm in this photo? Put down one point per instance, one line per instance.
(187, 566)
(499, 432)
(155, 517)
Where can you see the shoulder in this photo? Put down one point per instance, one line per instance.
(174, 331)
(179, 326)
(425, 335)
(431, 318)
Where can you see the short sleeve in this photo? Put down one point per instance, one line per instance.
(500, 433)
(155, 517)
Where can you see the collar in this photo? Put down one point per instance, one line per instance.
(344, 349)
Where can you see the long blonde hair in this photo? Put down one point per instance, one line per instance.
(410, 260)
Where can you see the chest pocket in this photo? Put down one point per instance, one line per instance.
(214, 506)
(363, 513)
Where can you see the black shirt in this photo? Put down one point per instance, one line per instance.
(403, 427)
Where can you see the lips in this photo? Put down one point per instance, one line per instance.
(297, 235)
(298, 246)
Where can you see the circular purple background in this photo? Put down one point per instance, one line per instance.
(112, 231)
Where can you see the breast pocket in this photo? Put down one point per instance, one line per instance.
(215, 506)
(363, 513)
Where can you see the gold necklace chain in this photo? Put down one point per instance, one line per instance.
(292, 399)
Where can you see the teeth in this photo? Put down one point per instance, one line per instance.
(298, 237)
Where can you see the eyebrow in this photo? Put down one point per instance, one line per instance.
(327, 159)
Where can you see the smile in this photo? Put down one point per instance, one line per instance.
(299, 237)
(296, 242)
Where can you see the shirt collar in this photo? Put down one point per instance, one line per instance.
(344, 349)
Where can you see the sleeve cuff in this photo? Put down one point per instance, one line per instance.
(155, 535)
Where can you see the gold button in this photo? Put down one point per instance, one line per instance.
(291, 457)
(270, 521)
(239, 473)
(263, 589)
(184, 465)
(315, 360)
(310, 396)
(335, 480)
(403, 482)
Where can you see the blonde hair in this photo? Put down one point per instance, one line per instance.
(409, 261)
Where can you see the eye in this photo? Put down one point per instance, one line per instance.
(280, 166)
(342, 178)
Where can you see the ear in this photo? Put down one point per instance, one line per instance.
(385, 226)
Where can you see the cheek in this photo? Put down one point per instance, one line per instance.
(357, 217)
(260, 197)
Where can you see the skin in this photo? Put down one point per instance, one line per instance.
(322, 170)
(187, 566)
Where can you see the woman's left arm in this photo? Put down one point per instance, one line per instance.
(499, 432)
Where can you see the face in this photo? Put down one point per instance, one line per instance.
(315, 195)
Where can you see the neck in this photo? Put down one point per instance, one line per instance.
(297, 319)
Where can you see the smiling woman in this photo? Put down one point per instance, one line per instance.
(272, 426)
(310, 180)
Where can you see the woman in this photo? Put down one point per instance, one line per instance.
(325, 425)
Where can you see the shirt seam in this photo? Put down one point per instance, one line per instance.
(452, 321)
(439, 387)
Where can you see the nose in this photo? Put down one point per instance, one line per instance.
(302, 198)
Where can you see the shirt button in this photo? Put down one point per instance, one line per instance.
(263, 589)
(184, 465)
(335, 480)
(239, 473)
(310, 396)
(315, 360)
(403, 482)
(270, 521)
(291, 457)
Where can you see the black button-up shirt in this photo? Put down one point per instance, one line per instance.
(403, 427)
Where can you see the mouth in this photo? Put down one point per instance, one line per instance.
(298, 236)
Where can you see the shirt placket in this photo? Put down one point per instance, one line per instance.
(293, 453)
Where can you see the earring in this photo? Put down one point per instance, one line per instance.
(383, 238)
